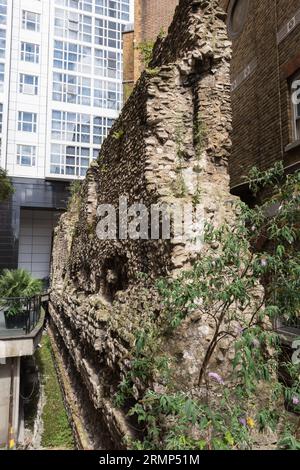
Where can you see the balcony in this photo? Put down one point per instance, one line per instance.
(20, 317)
(289, 330)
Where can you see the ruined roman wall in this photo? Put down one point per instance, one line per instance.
(171, 144)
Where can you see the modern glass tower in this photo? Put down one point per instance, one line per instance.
(60, 92)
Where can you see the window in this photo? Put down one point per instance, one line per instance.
(85, 5)
(69, 160)
(101, 129)
(1, 117)
(108, 63)
(1, 76)
(2, 70)
(108, 33)
(113, 9)
(30, 21)
(3, 11)
(26, 155)
(72, 57)
(107, 94)
(2, 43)
(30, 52)
(237, 15)
(71, 127)
(73, 25)
(27, 121)
(29, 84)
(71, 89)
(296, 106)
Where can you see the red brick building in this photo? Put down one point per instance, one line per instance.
(265, 68)
(150, 18)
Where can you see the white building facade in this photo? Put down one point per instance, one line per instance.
(60, 92)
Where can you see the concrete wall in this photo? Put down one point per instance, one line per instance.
(35, 241)
(9, 381)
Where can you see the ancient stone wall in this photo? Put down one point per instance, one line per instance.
(171, 144)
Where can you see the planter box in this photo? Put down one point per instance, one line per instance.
(15, 322)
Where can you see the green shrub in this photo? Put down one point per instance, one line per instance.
(6, 187)
(19, 283)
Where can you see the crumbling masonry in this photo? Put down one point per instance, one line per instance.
(171, 143)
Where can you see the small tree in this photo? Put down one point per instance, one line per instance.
(247, 277)
(6, 187)
(146, 52)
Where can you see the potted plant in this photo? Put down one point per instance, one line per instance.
(16, 286)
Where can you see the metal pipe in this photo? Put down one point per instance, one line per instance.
(10, 431)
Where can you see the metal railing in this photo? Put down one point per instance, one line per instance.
(289, 324)
(20, 313)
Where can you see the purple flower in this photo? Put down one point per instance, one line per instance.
(243, 422)
(255, 343)
(216, 377)
(264, 262)
(296, 401)
(239, 330)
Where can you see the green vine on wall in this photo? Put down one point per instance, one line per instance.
(75, 194)
(146, 52)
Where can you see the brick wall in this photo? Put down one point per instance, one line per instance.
(156, 16)
(150, 18)
(262, 111)
(128, 60)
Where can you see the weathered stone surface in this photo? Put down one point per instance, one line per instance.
(98, 300)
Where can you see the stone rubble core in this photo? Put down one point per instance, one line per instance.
(98, 302)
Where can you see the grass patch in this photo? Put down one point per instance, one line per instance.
(57, 431)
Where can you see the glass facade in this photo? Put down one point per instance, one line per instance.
(3, 12)
(81, 134)
(87, 72)
(67, 91)
(3, 22)
(1, 117)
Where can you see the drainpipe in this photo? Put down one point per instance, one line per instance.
(10, 432)
(279, 85)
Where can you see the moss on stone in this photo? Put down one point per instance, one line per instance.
(57, 432)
